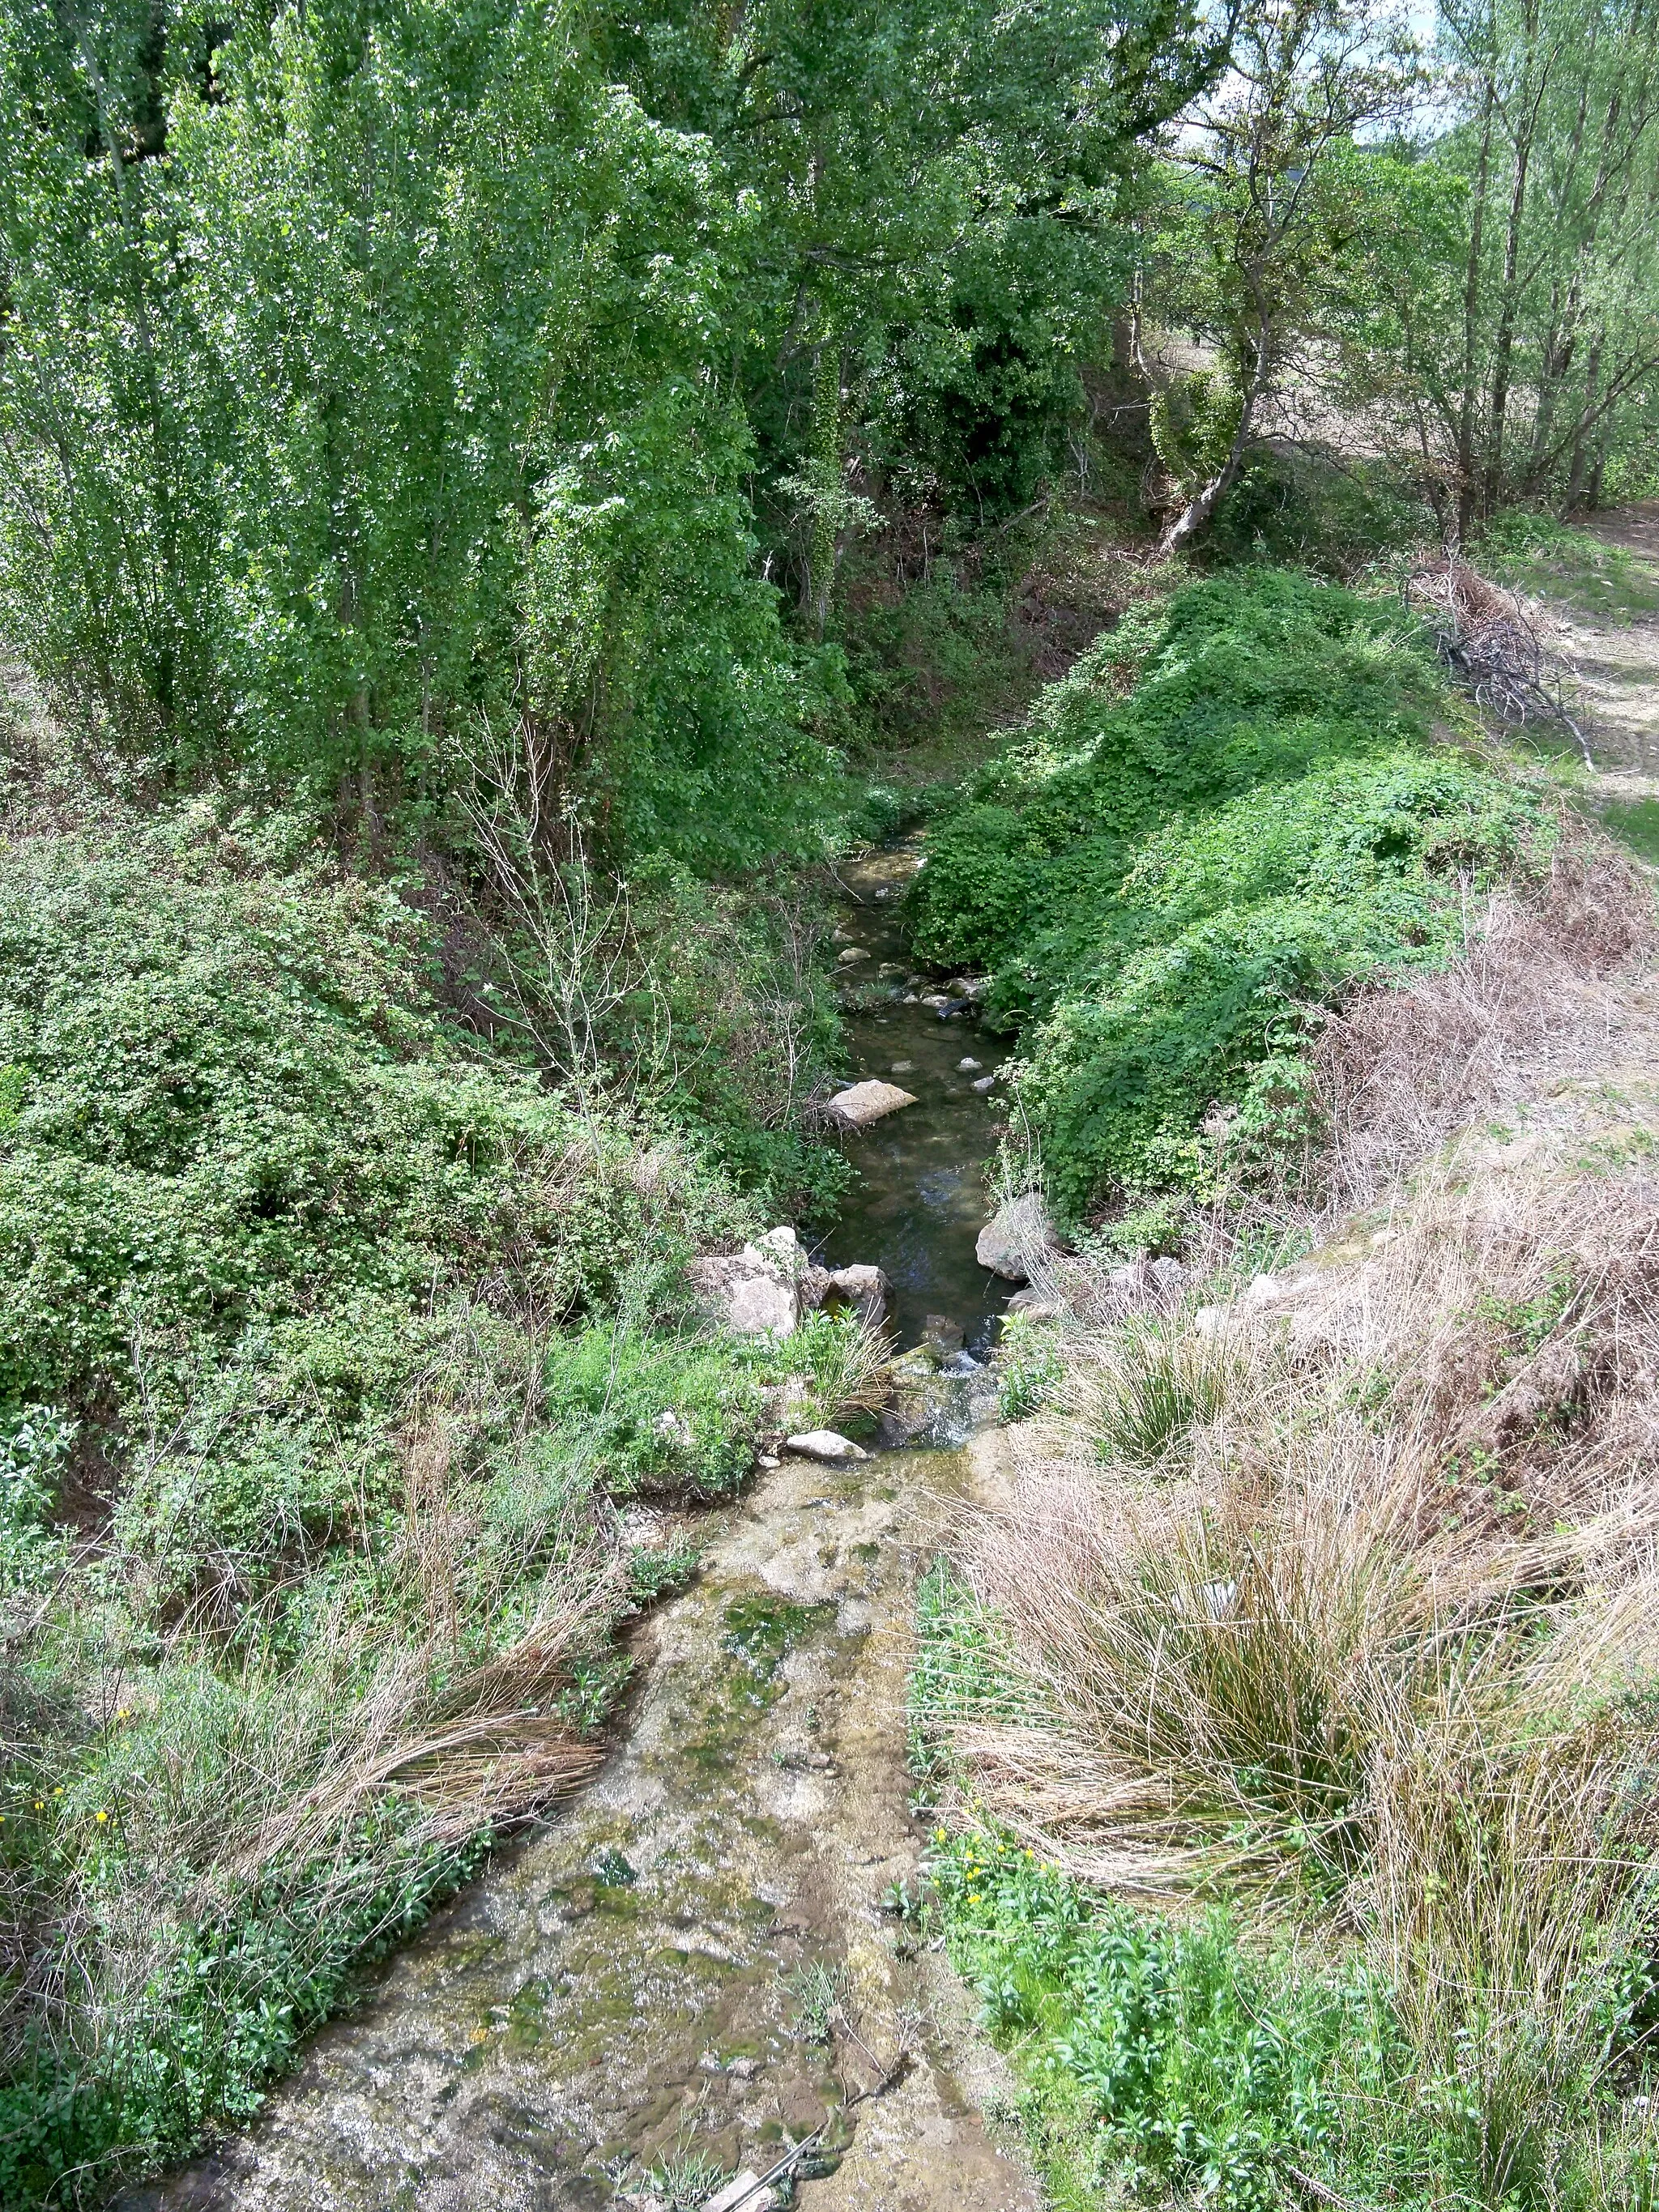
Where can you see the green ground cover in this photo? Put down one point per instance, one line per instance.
(1232, 809)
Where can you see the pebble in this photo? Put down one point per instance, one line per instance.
(984, 1084)
(968, 1067)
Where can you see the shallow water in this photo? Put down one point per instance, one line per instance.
(919, 1201)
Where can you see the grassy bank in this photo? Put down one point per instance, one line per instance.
(332, 1341)
(1235, 807)
(1290, 1719)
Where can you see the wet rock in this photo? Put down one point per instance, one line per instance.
(936, 1000)
(865, 1290)
(985, 1084)
(970, 987)
(850, 957)
(827, 1445)
(968, 1067)
(901, 1068)
(940, 1334)
(961, 1363)
(861, 1103)
(751, 1292)
(1017, 1239)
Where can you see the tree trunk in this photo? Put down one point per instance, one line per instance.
(1504, 344)
(1471, 320)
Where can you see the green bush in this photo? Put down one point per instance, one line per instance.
(1163, 886)
(241, 1120)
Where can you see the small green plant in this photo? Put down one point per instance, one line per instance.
(1030, 1368)
(1157, 1383)
(819, 1990)
(683, 2181)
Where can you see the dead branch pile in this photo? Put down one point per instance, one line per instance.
(1490, 641)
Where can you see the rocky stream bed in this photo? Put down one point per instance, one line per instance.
(695, 1967)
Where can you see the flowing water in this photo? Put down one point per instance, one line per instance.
(698, 1959)
(919, 1201)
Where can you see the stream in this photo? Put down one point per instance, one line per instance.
(696, 1964)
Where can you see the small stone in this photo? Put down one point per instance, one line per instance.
(850, 957)
(1033, 1306)
(1017, 1239)
(967, 1067)
(901, 1068)
(940, 1334)
(936, 1000)
(768, 1460)
(861, 1103)
(826, 1445)
(744, 2069)
(986, 1082)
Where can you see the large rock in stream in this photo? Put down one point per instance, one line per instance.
(861, 1103)
(1018, 1240)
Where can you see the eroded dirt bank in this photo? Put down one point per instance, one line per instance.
(644, 1982)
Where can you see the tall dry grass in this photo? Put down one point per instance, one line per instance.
(1372, 1637)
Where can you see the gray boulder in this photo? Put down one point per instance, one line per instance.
(865, 1290)
(1017, 1239)
(753, 1292)
(827, 1445)
(861, 1103)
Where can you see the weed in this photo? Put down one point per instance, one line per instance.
(819, 1990)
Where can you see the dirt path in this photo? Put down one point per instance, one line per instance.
(643, 1983)
(1617, 664)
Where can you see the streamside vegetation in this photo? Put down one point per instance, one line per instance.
(1291, 1718)
(494, 495)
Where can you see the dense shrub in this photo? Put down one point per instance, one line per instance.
(234, 1112)
(1162, 885)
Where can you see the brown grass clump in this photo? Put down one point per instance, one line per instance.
(1405, 1065)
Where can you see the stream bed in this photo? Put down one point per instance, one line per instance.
(697, 1963)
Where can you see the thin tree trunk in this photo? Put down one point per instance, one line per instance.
(1471, 322)
(1504, 344)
